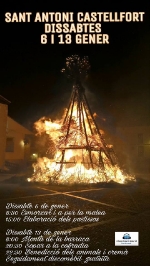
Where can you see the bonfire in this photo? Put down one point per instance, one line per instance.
(81, 154)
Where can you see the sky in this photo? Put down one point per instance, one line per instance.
(117, 87)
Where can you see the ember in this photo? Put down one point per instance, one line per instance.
(81, 153)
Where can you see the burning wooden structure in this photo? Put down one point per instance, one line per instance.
(81, 153)
(82, 135)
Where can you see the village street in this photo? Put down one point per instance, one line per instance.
(117, 208)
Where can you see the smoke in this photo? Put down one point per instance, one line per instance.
(105, 120)
(51, 106)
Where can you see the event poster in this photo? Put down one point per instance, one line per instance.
(75, 134)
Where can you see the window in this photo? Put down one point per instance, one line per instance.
(140, 151)
(10, 145)
(140, 138)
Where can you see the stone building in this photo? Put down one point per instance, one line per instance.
(132, 147)
(134, 144)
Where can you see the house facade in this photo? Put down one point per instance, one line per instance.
(18, 142)
(3, 122)
(15, 140)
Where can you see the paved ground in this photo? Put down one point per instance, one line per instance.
(127, 209)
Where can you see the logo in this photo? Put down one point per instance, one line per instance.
(126, 236)
(126, 239)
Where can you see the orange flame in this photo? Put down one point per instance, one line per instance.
(74, 170)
